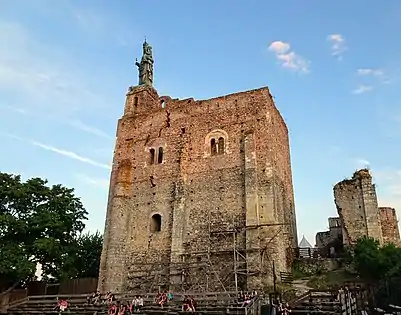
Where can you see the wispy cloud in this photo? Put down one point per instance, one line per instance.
(338, 45)
(41, 73)
(378, 74)
(89, 129)
(362, 163)
(371, 72)
(69, 154)
(63, 152)
(388, 182)
(362, 89)
(100, 182)
(98, 23)
(77, 124)
(288, 58)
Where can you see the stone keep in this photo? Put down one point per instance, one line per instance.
(201, 194)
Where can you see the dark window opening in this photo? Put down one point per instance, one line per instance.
(221, 146)
(152, 156)
(213, 146)
(160, 156)
(136, 101)
(156, 223)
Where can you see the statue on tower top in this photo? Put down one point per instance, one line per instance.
(145, 67)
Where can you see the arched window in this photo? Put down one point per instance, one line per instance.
(152, 156)
(156, 223)
(136, 101)
(213, 147)
(160, 156)
(220, 146)
(163, 104)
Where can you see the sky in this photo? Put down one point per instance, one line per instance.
(333, 67)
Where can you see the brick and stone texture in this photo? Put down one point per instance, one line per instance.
(356, 203)
(179, 205)
(326, 239)
(389, 225)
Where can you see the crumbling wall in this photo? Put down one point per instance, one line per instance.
(331, 239)
(389, 226)
(356, 203)
(207, 202)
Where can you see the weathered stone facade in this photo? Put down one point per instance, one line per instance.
(193, 185)
(356, 203)
(389, 225)
(327, 241)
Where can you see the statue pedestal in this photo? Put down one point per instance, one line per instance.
(141, 99)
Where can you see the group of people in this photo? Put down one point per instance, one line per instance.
(245, 298)
(163, 298)
(189, 304)
(116, 307)
(128, 308)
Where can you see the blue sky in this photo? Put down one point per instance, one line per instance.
(334, 68)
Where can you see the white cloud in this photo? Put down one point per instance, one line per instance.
(89, 129)
(370, 72)
(101, 182)
(287, 58)
(374, 73)
(362, 89)
(279, 47)
(70, 154)
(362, 163)
(338, 46)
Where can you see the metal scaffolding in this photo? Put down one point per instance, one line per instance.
(158, 275)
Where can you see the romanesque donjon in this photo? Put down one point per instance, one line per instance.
(201, 194)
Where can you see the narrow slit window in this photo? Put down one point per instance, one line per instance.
(160, 156)
(152, 156)
(213, 147)
(221, 146)
(136, 101)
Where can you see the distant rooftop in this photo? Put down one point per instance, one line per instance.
(304, 243)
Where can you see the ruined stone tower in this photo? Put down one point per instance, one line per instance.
(201, 194)
(356, 203)
(389, 225)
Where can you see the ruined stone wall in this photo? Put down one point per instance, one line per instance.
(200, 197)
(356, 203)
(389, 226)
(330, 239)
(334, 222)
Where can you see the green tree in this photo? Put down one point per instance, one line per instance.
(38, 224)
(381, 266)
(83, 258)
(368, 259)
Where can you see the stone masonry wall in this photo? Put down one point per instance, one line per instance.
(356, 203)
(201, 198)
(389, 225)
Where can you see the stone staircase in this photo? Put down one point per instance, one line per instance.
(207, 304)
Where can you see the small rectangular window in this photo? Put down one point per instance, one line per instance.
(152, 156)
